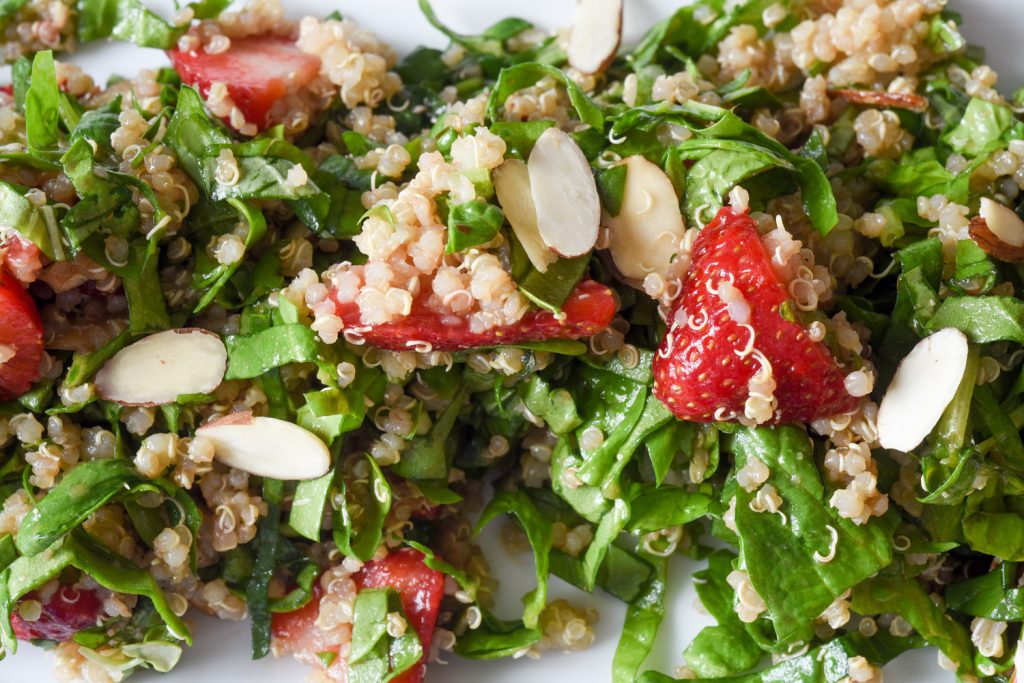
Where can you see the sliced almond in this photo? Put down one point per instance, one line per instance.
(564, 194)
(645, 235)
(999, 231)
(267, 447)
(596, 34)
(924, 384)
(512, 185)
(161, 367)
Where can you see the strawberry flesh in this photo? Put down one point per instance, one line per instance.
(420, 588)
(258, 71)
(21, 332)
(65, 613)
(698, 372)
(588, 310)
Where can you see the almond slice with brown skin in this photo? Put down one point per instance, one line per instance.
(645, 236)
(924, 384)
(564, 193)
(157, 369)
(999, 231)
(596, 34)
(267, 447)
(512, 185)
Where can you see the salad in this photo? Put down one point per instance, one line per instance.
(285, 325)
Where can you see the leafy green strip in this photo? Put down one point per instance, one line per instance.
(643, 617)
(267, 550)
(377, 656)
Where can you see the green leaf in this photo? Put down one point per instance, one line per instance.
(910, 600)
(377, 657)
(42, 103)
(301, 595)
(268, 547)
(554, 405)
(611, 525)
(472, 223)
(253, 355)
(538, 532)
(359, 524)
(515, 78)
(429, 456)
(611, 186)
(126, 20)
(83, 552)
(987, 596)
(520, 136)
(35, 224)
(10, 7)
(307, 513)
(85, 365)
(82, 491)
(654, 509)
(643, 618)
(984, 319)
(219, 276)
(981, 128)
(780, 555)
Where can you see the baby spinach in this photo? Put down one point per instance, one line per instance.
(981, 129)
(42, 105)
(538, 531)
(472, 223)
(376, 656)
(988, 596)
(643, 617)
(359, 535)
(268, 550)
(780, 555)
(520, 76)
(126, 20)
(253, 355)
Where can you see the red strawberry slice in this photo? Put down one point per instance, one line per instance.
(703, 366)
(8, 89)
(589, 309)
(65, 613)
(21, 338)
(420, 587)
(258, 71)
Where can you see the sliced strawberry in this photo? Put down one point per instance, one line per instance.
(21, 338)
(704, 364)
(589, 309)
(65, 613)
(258, 71)
(421, 589)
(7, 89)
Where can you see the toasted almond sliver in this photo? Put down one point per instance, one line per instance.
(564, 194)
(512, 185)
(596, 34)
(157, 369)
(267, 447)
(645, 236)
(924, 384)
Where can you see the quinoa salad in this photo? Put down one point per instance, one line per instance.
(285, 325)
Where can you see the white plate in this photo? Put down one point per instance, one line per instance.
(221, 652)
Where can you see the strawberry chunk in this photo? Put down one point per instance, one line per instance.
(21, 338)
(258, 71)
(7, 89)
(297, 632)
(589, 309)
(706, 361)
(65, 613)
(421, 589)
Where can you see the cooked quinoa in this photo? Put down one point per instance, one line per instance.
(285, 326)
